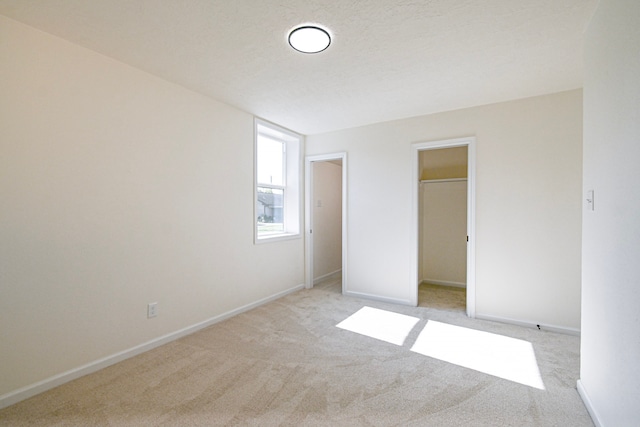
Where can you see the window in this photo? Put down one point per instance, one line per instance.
(277, 188)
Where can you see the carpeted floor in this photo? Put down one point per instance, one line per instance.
(442, 297)
(286, 363)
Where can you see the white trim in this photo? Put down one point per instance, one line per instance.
(327, 276)
(378, 298)
(530, 324)
(308, 215)
(470, 143)
(64, 377)
(587, 402)
(444, 283)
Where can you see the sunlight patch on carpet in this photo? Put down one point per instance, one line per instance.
(380, 324)
(508, 358)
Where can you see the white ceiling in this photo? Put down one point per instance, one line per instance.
(388, 59)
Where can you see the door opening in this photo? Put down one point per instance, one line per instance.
(325, 220)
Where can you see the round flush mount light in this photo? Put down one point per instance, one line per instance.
(309, 39)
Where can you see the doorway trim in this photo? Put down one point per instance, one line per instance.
(416, 148)
(308, 214)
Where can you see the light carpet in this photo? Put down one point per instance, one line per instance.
(286, 363)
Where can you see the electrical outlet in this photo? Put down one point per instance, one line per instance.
(152, 309)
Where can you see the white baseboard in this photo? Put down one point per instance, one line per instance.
(56, 380)
(332, 275)
(378, 298)
(527, 324)
(587, 402)
(444, 283)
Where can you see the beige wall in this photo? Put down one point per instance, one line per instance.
(443, 163)
(610, 345)
(443, 229)
(117, 189)
(528, 194)
(327, 219)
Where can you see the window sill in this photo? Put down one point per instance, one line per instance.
(277, 238)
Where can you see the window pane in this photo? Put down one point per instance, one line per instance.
(270, 211)
(270, 161)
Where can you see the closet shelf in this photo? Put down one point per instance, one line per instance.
(426, 181)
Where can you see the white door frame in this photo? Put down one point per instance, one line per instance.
(308, 214)
(470, 143)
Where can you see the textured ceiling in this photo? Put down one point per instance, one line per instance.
(388, 59)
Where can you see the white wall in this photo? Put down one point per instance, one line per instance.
(117, 189)
(528, 225)
(610, 346)
(327, 219)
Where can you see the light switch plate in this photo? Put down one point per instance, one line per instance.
(590, 200)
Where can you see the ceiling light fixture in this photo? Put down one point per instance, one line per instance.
(309, 39)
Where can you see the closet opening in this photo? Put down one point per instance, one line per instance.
(444, 212)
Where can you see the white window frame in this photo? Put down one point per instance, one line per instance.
(292, 187)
